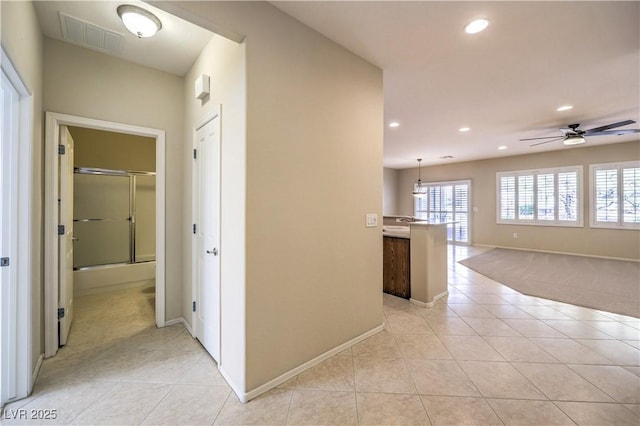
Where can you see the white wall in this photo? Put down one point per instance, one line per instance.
(85, 83)
(22, 40)
(313, 171)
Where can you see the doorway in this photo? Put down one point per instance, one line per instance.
(54, 123)
(206, 232)
(16, 168)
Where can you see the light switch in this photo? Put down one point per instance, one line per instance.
(372, 220)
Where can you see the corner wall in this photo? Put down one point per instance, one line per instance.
(22, 40)
(85, 83)
(224, 61)
(313, 171)
(485, 230)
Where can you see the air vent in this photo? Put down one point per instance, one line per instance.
(88, 35)
(446, 157)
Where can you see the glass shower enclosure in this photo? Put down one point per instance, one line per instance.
(113, 217)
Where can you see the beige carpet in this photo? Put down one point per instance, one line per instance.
(603, 284)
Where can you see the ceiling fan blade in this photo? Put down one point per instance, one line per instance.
(552, 140)
(608, 126)
(545, 137)
(614, 132)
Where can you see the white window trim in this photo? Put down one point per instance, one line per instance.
(592, 196)
(579, 223)
(469, 200)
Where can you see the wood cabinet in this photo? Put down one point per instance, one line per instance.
(396, 267)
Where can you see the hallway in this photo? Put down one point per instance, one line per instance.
(485, 355)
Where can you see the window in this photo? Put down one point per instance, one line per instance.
(540, 197)
(447, 202)
(615, 195)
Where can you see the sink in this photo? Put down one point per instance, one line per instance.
(396, 231)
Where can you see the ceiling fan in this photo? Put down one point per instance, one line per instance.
(574, 136)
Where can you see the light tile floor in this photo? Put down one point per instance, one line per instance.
(485, 355)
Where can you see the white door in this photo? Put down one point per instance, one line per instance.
(8, 242)
(65, 301)
(207, 244)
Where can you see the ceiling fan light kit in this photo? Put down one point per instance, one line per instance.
(575, 136)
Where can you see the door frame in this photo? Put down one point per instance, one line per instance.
(195, 206)
(24, 253)
(52, 173)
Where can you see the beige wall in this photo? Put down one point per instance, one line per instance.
(485, 230)
(390, 191)
(22, 41)
(224, 61)
(90, 84)
(111, 150)
(313, 271)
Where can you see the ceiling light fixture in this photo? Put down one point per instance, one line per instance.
(502, 147)
(139, 21)
(394, 124)
(564, 108)
(464, 129)
(419, 190)
(574, 140)
(476, 26)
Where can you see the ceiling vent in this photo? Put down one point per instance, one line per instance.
(88, 35)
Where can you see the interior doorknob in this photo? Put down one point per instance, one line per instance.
(213, 252)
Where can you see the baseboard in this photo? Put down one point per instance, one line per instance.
(114, 287)
(36, 371)
(242, 396)
(560, 252)
(247, 396)
(429, 304)
(179, 321)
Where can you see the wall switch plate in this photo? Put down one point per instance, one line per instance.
(372, 220)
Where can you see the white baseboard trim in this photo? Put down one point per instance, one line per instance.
(560, 252)
(242, 396)
(418, 302)
(179, 321)
(432, 303)
(36, 371)
(247, 396)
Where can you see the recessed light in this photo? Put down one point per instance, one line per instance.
(564, 108)
(394, 124)
(476, 26)
(464, 129)
(502, 147)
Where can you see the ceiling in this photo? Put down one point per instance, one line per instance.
(504, 83)
(173, 49)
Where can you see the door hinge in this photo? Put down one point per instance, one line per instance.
(194, 306)
(61, 149)
(4, 261)
(195, 153)
(194, 228)
(60, 313)
(60, 229)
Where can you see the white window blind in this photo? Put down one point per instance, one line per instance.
(540, 197)
(447, 202)
(615, 195)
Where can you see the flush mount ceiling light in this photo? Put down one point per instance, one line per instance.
(502, 147)
(139, 21)
(476, 26)
(564, 108)
(464, 129)
(574, 140)
(419, 190)
(394, 124)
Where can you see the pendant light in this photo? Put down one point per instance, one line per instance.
(419, 190)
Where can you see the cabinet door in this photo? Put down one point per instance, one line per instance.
(396, 267)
